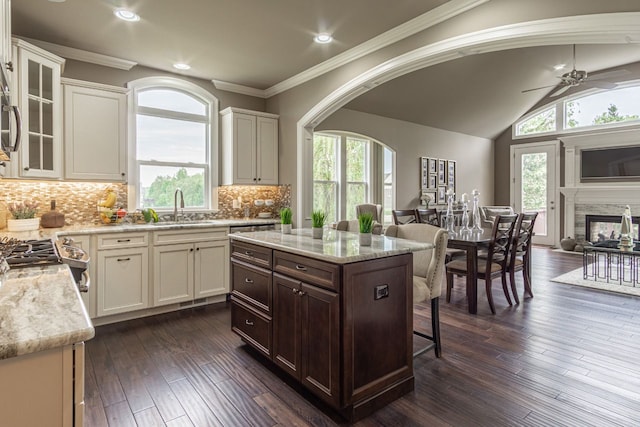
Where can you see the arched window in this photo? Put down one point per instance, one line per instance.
(349, 170)
(174, 144)
(590, 109)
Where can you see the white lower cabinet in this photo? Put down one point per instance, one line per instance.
(190, 265)
(122, 273)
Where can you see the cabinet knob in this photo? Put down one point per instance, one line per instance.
(248, 322)
(254, 179)
(301, 293)
(259, 179)
(191, 250)
(294, 290)
(122, 174)
(27, 168)
(197, 249)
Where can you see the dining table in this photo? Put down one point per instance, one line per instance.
(470, 241)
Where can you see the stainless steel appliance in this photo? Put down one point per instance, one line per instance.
(33, 253)
(10, 119)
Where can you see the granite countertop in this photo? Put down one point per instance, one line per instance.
(42, 233)
(340, 247)
(40, 309)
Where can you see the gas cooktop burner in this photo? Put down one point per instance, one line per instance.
(27, 253)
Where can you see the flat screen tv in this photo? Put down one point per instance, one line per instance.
(620, 163)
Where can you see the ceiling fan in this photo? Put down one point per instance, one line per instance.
(580, 77)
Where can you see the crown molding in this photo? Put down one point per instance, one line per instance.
(83, 55)
(409, 28)
(236, 88)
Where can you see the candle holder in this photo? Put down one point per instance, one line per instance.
(465, 218)
(449, 219)
(476, 212)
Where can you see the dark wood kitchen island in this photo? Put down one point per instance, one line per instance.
(334, 315)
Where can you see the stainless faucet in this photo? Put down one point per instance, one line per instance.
(175, 203)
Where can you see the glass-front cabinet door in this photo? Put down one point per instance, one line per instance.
(41, 105)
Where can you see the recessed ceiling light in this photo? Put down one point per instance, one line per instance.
(323, 38)
(559, 67)
(126, 15)
(57, 1)
(181, 66)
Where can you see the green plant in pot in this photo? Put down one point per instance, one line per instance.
(285, 219)
(318, 219)
(365, 222)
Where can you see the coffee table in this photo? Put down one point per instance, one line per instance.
(608, 262)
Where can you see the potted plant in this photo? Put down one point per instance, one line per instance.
(23, 216)
(365, 221)
(285, 219)
(317, 222)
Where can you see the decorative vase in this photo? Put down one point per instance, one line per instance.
(477, 226)
(27, 224)
(568, 244)
(365, 239)
(286, 228)
(317, 232)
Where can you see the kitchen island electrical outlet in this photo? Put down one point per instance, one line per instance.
(381, 291)
(236, 204)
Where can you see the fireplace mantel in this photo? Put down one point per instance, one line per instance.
(605, 194)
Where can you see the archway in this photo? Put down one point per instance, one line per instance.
(611, 28)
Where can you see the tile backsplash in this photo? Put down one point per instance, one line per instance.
(78, 200)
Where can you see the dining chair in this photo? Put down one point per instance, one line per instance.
(489, 213)
(404, 216)
(375, 210)
(496, 262)
(457, 217)
(520, 256)
(428, 271)
(428, 216)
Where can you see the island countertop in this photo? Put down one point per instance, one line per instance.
(40, 309)
(340, 247)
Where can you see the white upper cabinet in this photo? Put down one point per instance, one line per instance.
(5, 34)
(249, 147)
(95, 130)
(40, 100)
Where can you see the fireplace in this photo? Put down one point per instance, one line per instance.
(599, 228)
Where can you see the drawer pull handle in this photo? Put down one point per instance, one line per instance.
(248, 253)
(301, 267)
(248, 323)
(124, 259)
(123, 240)
(247, 280)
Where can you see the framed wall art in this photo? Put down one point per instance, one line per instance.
(433, 178)
(451, 174)
(432, 166)
(442, 195)
(442, 177)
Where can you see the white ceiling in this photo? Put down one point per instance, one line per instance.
(260, 43)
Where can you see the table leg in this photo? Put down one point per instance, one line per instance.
(472, 278)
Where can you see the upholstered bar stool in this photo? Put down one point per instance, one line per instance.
(428, 274)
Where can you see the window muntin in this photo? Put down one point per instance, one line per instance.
(357, 173)
(603, 108)
(542, 122)
(173, 144)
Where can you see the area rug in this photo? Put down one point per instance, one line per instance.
(575, 277)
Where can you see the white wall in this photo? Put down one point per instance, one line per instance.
(474, 155)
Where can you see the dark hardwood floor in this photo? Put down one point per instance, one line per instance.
(570, 356)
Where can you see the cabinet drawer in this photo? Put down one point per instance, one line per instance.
(253, 254)
(252, 284)
(251, 326)
(122, 240)
(307, 270)
(190, 236)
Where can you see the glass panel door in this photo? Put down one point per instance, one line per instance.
(535, 187)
